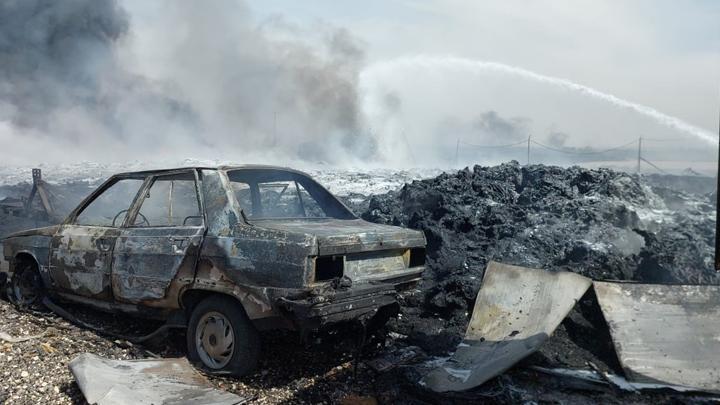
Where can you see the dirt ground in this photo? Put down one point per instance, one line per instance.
(36, 370)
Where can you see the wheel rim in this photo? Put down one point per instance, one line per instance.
(215, 340)
(26, 287)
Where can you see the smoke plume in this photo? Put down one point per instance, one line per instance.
(222, 86)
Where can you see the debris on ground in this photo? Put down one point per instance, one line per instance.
(152, 381)
(599, 223)
(599, 378)
(516, 311)
(290, 373)
(665, 333)
(395, 358)
(518, 308)
(17, 339)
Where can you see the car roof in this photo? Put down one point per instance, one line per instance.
(222, 167)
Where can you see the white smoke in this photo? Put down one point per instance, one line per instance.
(441, 95)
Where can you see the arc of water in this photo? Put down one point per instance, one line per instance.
(478, 66)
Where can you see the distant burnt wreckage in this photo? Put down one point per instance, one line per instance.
(24, 205)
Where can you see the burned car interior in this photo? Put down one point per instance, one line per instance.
(277, 194)
(167, 200)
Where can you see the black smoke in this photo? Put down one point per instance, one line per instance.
(53, 54)
(229, 87)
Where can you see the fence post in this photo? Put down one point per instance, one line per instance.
(528, 150)
(457, 151)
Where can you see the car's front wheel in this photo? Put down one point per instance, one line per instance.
(221, 337)
(25, 288)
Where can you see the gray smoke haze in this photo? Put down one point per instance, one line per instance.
(557, 139)
(228, 88)
(491, 125)
(486, 128)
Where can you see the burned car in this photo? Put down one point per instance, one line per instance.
(227, 251)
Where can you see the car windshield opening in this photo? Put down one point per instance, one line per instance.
(276, 194)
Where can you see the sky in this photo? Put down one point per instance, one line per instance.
(346, 83)
(661, 53)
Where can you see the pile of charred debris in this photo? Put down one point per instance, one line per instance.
(577, 224)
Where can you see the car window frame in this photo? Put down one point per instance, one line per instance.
(140, 198)
(73, 216)
(298, 177)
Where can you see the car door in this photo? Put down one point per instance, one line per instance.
(81, 250)
(162, 240)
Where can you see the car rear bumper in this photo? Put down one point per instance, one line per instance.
(357, 303)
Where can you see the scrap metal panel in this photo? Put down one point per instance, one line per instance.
(665, 333)
(153, 381)
(516, 310)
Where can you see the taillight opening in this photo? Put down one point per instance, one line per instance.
(329, 267)
(417, 257)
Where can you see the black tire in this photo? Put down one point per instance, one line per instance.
(25, 288)
(245, 338)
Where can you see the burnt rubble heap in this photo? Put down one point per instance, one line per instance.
(599, 223)
(603, 224)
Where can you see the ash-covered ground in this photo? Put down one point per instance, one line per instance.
(599, 223)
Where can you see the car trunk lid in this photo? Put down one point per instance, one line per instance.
(343, 237)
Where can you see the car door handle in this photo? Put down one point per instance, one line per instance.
(178, 243)
(103, 244)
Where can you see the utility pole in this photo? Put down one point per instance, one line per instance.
(457, 151)
(639, 159)
(528, 151)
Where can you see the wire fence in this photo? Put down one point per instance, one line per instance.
(575, 152)
(527, 145)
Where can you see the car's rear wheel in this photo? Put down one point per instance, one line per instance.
(25, 288)
(221, 338)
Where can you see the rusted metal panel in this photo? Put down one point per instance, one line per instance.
(516, 310)
(45, 231)
(80, 259)
(147, 260)
(343, 236)
(35, 243)
(665, 333)
(279, 259)
(222, 211)
(153, 381)
(4, 264)
(37, 246)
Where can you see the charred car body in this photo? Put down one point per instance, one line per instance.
(228, 250)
